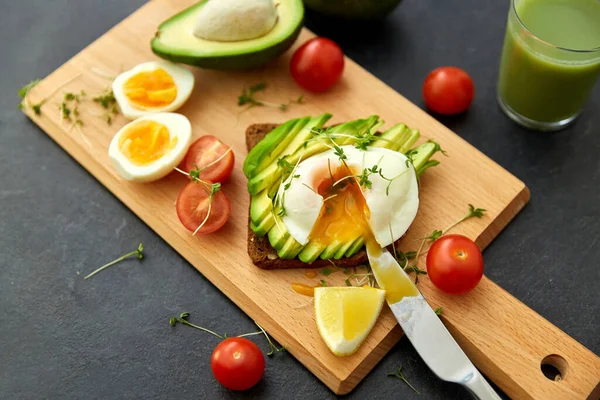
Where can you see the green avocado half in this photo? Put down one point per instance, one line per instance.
(176, 42)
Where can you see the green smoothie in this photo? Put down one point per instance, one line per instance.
(549, 80)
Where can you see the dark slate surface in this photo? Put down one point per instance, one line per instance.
(61, 337)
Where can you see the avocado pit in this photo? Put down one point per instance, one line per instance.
(235, 20)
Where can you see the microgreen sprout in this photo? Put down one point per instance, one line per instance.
(247, 98)
(364, 140)
(37, 108)
(438, 147)
(23, 92)
(432, 237)
(418, 271)
(106, 99)
(183, 319)
(473, 212)
(139, 253)
(285, 165)
(65, 112)
(280, 197)
(339, 152)
(272, 347)
(398, 374)
(330, 173)
(438, 311)
(211, 189)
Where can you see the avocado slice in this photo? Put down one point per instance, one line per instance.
(278, 234)
(356, 246)
(311, 251)
(421, 155)
(412, 139)
(342, 250)
(175, 40)
(290, 249)
(264, 226)
(266, 151)
(260, 206)
(393, 138)
(331, 249)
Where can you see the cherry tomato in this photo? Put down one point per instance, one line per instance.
(318, 64)
(237, 363)
(448, 90)
(454, 264)
(208, 149)
(192, 206)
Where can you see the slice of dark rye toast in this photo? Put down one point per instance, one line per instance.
(259, 249)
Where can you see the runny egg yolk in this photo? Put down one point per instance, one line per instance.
(150, 89)
(344, 214)
(343, 218)
(146, 141)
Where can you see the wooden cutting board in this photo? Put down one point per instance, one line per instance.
(504, 338)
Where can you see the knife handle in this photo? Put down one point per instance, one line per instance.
(480, 388)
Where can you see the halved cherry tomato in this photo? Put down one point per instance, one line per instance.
(207, 149)
(237, 363)
(192, 206)
(317, 65)
(448, 90)
(454, 264)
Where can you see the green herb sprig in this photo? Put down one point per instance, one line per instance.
(211, 189)
(247, 98)
(24, 92)
(398, 374)
(139, 253)
(37, 108)
(432, 237)
(183, 319)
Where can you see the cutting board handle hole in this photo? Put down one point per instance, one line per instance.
(554, 367)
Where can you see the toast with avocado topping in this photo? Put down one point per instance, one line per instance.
(275, 150)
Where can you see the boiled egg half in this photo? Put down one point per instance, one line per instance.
(150, 147)
(326, 201)
(151, 87)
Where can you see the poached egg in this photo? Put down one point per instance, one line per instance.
(327, 201)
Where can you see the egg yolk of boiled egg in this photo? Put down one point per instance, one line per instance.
(345, 213)
(150, 89)
(146, 141)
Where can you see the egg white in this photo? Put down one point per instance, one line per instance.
(391, 213)
(183, 78)
(178, 125)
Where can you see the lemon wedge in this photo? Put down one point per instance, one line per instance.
(346, 315)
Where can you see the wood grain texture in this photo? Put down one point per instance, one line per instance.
(504, 338)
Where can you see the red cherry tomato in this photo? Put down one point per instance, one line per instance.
(192, 206)
(206, 150)
(317, 65)
(448, 90)
(454, 264)
(237, 363)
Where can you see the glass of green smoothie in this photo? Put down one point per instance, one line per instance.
(550, 61)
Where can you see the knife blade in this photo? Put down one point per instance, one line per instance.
(423, 327)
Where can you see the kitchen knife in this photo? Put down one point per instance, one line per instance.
(424, 328)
